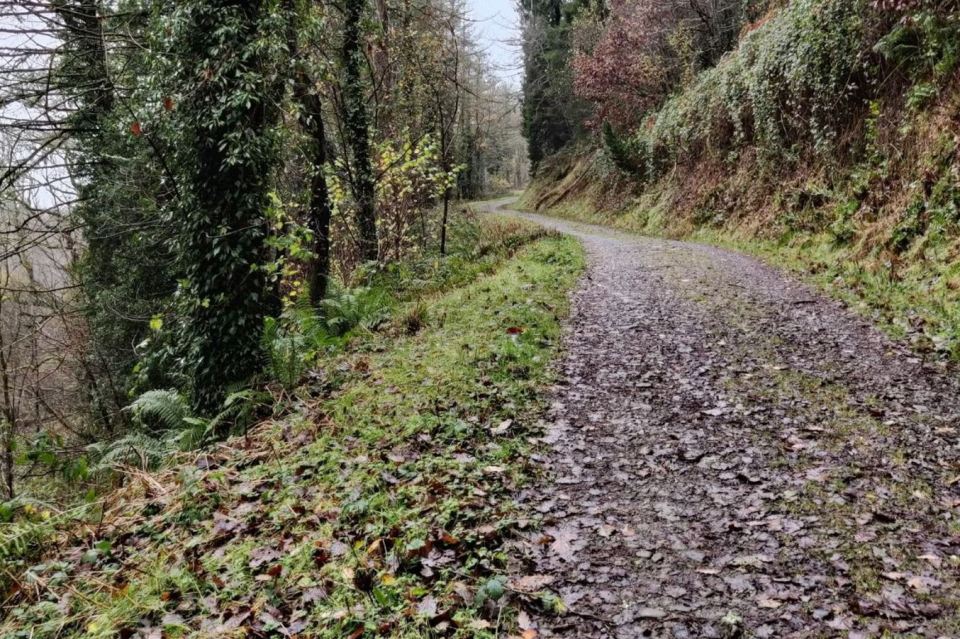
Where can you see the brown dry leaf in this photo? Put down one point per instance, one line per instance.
(650, 613)
(934, 560)
(562, 544)
(448, 539)
(524, 621)
(531, 583)
(922, 585)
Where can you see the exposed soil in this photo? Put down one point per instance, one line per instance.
(732, 454)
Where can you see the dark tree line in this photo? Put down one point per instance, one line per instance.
(177, 175)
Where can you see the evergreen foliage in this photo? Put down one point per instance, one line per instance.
(225, 161)
(126, 271)
(551, 114)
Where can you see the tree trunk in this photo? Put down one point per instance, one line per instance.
(443, 227)
(8, 419)
(228, 174)
(357, 133)
(318, 209)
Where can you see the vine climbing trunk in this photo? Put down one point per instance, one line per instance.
(228, 160)
(357, 129)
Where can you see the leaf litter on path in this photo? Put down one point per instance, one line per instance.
(771, 455)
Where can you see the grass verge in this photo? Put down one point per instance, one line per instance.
(376, 507)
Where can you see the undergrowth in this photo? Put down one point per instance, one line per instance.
(374, 505)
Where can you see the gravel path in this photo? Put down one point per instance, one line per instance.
(732, 454)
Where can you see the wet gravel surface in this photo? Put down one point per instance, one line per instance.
(733, 455)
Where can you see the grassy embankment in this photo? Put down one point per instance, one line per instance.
(376, 505)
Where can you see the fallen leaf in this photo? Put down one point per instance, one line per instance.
(934, 560)
(261, 556)
(650, 613)
(562, 545)
(502, 428)
(922, 585)
(531, 583)
(523, 620)
(427, 606)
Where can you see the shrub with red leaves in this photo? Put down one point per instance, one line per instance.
(646, 48)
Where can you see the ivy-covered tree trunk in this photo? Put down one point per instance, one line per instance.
(318, 213)
(357, 129)
(227, 117)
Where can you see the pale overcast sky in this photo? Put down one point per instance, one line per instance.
(496, 27)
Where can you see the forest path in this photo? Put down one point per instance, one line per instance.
(733, 454)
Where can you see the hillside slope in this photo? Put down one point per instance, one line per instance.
(826, 141)
(374, 503)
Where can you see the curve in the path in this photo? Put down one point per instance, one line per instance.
(732, 454)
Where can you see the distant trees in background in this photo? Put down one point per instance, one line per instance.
(655, 81)
(595, 61)
(642, 51)
(176, 176)
(552, 113)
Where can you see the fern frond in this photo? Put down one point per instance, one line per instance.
(137, 449)
(19, 538)
(160, 410)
